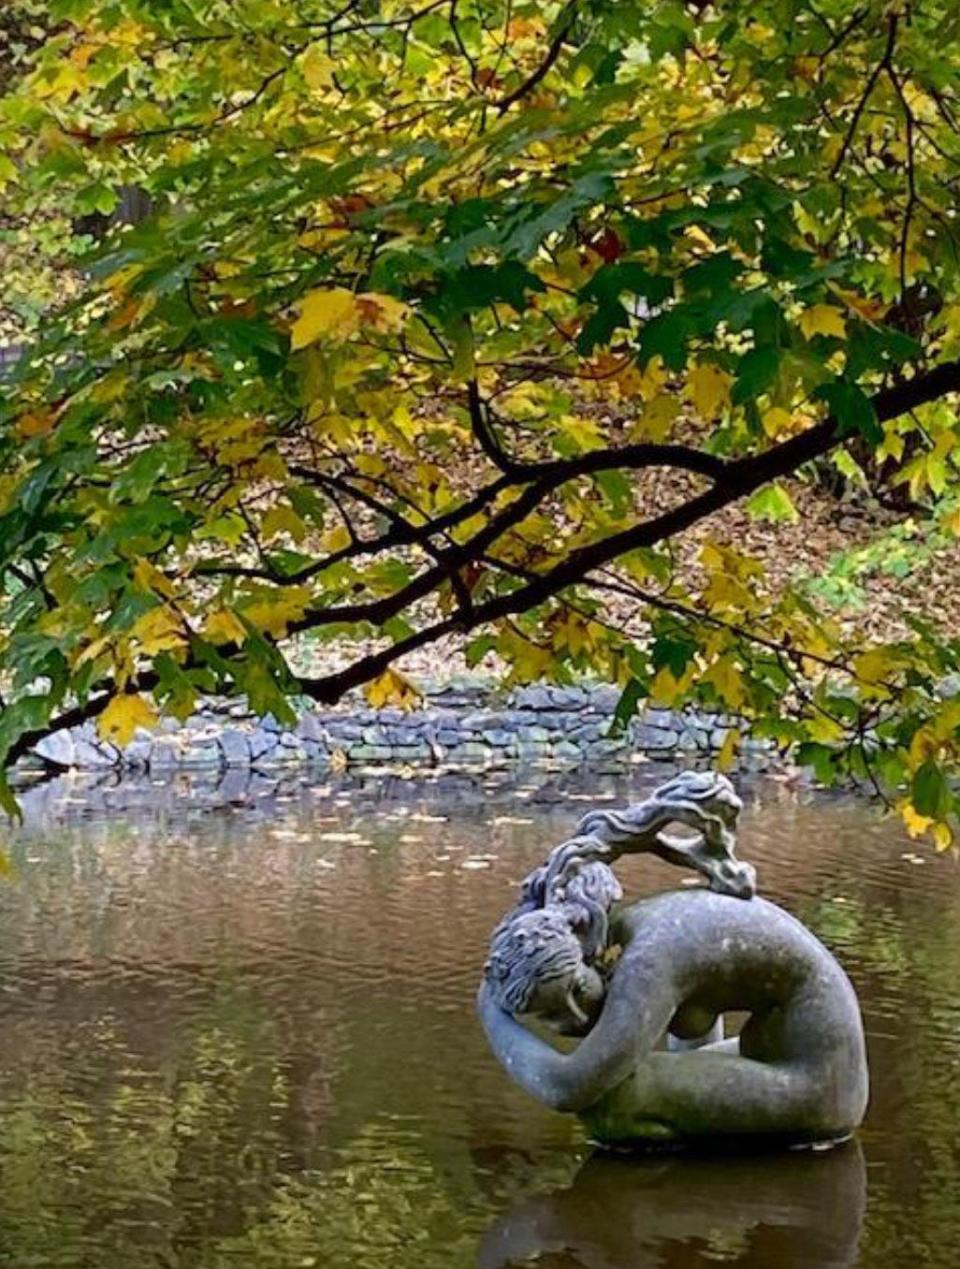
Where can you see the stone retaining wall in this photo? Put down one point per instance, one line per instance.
(458, 725)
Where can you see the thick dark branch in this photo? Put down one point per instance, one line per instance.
(740, 478)
(545, 479)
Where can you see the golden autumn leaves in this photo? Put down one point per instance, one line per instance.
(336, 314)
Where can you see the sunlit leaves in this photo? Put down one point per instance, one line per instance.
(772, 503)
(392, 689)
(709, 390)
(123, 715)
(336, 314)
(823, 319)
(392, 272)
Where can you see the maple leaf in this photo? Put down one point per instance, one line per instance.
(823, 319)
(392, 688)
(326, 313)
(708, 387)
(123, 715)
(224, 627)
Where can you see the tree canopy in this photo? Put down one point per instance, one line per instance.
(423, 288)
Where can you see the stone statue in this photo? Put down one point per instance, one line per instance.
(628, 980)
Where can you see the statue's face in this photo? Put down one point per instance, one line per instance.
(571, 1005)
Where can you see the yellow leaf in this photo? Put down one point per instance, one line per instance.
(728, 750)
(924, 744)
(942, 836)
(728, 681)
(159, 630)
(823, 319)
(665, 688)
(392, 688)
(724, 591)
(382, 312)
(274, 612)
(331, 313)
(824, 730)
(150, 578)
(655, 422)
(317, 68)
(336, 539)
(952, 522)
(120, 720)
(708, 388)
(282, 520)
(224, 627)
(777, 422)
(35, 423)
(916, 823)
(93, 650)
(876, 666)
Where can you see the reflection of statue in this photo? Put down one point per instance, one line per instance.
(796, 1071)
(796, 1210)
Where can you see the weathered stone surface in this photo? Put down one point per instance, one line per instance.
(342, 729)
(309, 727)
(607, 746)
(466, 724)
(262, 744)
(235, 747)
(165, 754)
(648, 736)
(371, 753)
(58, 749)
(205, 753)
(136, 756)
(533, 698)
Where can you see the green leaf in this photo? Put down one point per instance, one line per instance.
(930, 792)
(852, 408)
(773, 503)
(757, 371)
(627, 706)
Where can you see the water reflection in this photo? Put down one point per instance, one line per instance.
(791, 1211)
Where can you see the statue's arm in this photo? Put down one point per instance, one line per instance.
(563, 1081)
(635, 1014)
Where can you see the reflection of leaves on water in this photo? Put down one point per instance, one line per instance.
(194, 1165)
(874, 935)
(908, 949)
(382, 1204)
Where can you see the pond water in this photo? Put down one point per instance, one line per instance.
(238, 1031)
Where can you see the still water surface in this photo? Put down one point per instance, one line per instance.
(238, 1031)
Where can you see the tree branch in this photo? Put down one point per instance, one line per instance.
(553, 52)
(738, 479)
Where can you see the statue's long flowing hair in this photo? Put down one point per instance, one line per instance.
(550, 932)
